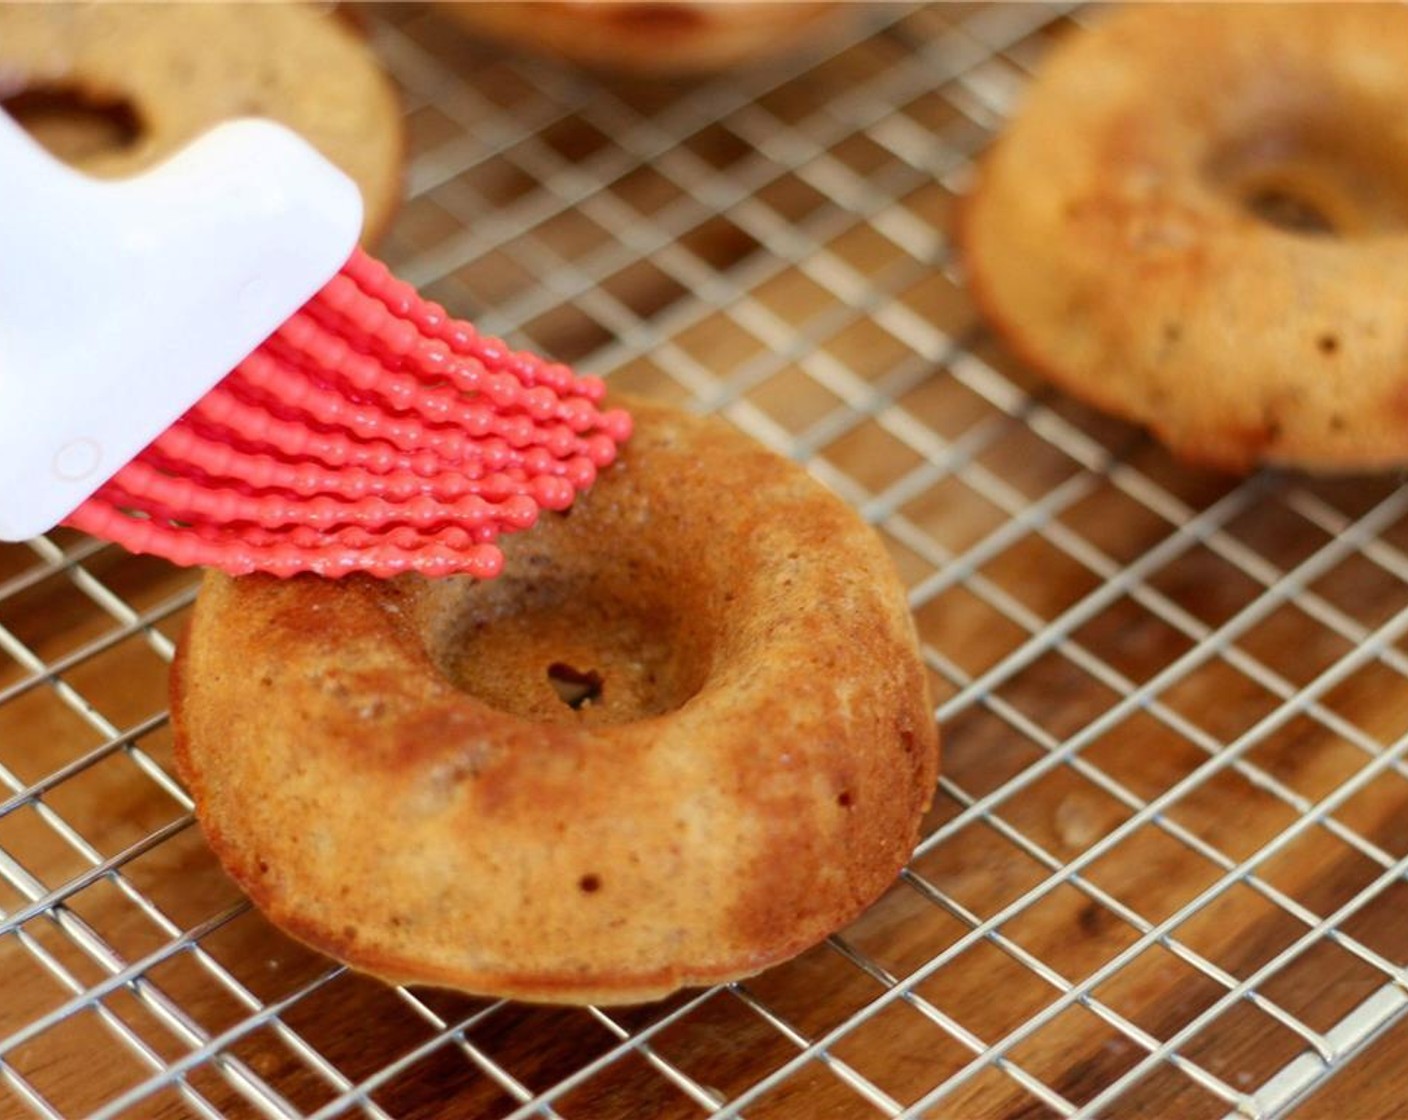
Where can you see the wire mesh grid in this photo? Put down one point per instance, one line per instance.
(1163, 868)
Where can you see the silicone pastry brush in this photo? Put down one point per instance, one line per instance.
(199, 363)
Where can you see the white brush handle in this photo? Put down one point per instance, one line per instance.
(123, 302)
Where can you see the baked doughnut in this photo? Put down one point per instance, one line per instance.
(686, 735)
(651, 37)
(1198, 221)
(163, 73)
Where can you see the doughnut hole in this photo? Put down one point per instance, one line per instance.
(75, 124)
(555, 649)
(1313, 178)
(575, 688)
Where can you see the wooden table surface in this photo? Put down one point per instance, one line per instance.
(1164, 855)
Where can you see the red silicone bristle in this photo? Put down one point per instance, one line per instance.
(371, 433)
(192, 501)
(448, 551)
(184, 452)
(375, 280)
(507, 409)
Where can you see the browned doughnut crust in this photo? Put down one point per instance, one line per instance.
(183, 68)
(655, 37)
(1114, 239)
(388, 771)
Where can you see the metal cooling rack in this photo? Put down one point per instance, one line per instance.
(1162, 873)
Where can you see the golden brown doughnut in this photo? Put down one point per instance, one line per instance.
(167, 72)
(1198, 220)
(655, 37)
(686, 735)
